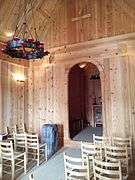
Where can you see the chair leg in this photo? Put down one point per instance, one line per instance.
(45, 152)
(38, 156)
(31, 177)
(26, 151)
(25, 163)
(0, 170)
(13, 169)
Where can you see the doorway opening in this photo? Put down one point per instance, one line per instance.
(85, 102)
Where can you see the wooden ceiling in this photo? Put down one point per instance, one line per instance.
(44, 15)
(39, 15)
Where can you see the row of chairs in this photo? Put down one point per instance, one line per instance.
(24, 140)
(17, 129)
(115, 141)
(75, 170)
(30, 144)
(100, 159)
(102, 140)
(18, 152)
(108, 154)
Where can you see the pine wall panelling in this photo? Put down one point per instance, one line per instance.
(49, 86)
(13, 101)
(43, 97)
(131, 94)
(108, 18)
(111, 61)
(1, 122)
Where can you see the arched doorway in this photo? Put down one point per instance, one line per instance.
(84, 100)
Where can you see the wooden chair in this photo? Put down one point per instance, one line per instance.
(20, 141)
(10, 131)
(115, 154)
(11, 160)
(124, 142)
(17, 129)
(22, 128)
(106, 170)
(35, 149)
(88, 151)
(74, 168)
(101, 140)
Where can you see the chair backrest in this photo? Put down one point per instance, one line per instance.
(118, 141)
(114, 153)
(90, 150)
(7, 130)
(106, 170)
(32, 141)
(118, 153)
(101, 140)
(22, 128)
(10, 131)
(6, 150)
(74, 168)
(20, 140)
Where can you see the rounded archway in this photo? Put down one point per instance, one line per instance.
(84, 101)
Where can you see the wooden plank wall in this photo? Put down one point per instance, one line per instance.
(101, 18)
(62, 22)
(50, 88)
(107, 18)
(130, 98)
(43, 97)
(13, 95)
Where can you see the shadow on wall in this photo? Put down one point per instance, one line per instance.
(60, 136)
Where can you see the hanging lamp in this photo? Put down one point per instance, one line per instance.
(25, 47)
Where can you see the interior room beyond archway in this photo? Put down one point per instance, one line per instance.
(85, 102)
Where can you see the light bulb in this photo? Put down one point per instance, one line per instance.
(82, 65)
(19, 77)
(9, 34)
